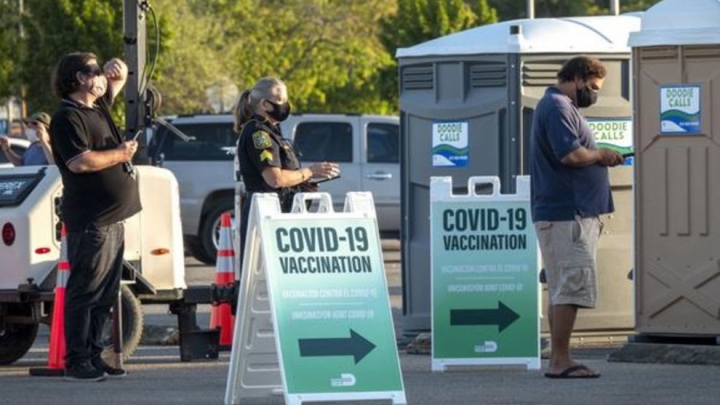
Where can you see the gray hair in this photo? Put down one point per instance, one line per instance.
(248, 102)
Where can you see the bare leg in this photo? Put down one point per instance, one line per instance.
(550, 324)
(563, 321)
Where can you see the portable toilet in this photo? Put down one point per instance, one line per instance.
(487, 81)
(676, 99)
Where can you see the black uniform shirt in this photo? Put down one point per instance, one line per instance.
(102, 197)
(261, 145)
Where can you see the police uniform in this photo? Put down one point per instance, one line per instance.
(261, 145)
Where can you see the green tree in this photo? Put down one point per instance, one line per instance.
(637, 5)
(336, 56)
(55, 28)
(417, 21)
(626, 6)
(190, 61)
(327, 52)
(513, 9)
(10, 45)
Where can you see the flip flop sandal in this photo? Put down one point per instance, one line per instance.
(568, 373)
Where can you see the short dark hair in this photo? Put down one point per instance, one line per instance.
(583, 67)
(64, 80)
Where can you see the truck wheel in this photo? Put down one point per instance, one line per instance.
(210, 232)
(132, 325)
(16, 338)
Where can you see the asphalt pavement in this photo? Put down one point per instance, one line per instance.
(156, 375)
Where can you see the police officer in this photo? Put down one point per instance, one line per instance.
(267, 161)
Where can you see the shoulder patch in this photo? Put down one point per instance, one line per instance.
(266, 155)
(261, 140)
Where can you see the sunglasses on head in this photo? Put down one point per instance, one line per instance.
(92, 70)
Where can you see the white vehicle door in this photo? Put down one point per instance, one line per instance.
(201, 166)
(331, 139)
(381, 169)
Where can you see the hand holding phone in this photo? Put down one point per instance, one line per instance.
(318, 180)
(324, 171)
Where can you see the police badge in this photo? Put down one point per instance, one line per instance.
(261, 140)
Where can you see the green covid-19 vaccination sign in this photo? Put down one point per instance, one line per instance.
(330, 300)
(484, 281)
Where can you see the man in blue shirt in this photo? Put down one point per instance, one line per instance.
(570, 189)
(39, 151)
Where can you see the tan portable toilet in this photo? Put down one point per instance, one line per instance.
(676, 103)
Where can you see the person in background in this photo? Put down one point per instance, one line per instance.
(39, 152)
(267, 161)
(100, 192)
(570, 189)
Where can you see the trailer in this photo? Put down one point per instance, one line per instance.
(153, 272)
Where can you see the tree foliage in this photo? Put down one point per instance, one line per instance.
(55, 28)
(513, 9)
(188, 62)
(335, 55)
(637, 5)
(327, 52)
(9, 46)
(417, 21)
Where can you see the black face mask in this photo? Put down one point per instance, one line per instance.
(280, 112)
(585, 97)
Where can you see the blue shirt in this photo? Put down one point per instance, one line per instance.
(559, 192)
(34, 156)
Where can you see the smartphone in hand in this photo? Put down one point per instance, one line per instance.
(318, 180)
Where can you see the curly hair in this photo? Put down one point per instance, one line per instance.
(582, 67)
(64, 80)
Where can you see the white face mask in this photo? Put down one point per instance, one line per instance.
(97, 86)
(31, 135)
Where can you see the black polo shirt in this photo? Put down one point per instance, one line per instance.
(262, 145)
(103, 197)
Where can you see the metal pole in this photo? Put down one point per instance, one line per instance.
(530, 8)
(23, 89)
(615, 7)
(117, 330)
(135, 38)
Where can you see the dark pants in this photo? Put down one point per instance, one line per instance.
(286, 200)
(95, 257)
(244, 218)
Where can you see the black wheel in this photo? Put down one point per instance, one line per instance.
(209, 236)
(16, 338)
(132, 325)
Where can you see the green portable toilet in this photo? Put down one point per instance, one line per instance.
(486, 81)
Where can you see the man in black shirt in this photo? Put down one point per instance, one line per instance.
(100, 192)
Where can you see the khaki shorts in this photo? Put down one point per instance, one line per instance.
(569, 257)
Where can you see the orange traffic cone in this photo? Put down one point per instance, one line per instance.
(56, 352)
(221, 315)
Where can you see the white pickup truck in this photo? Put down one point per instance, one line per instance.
(366, 147)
